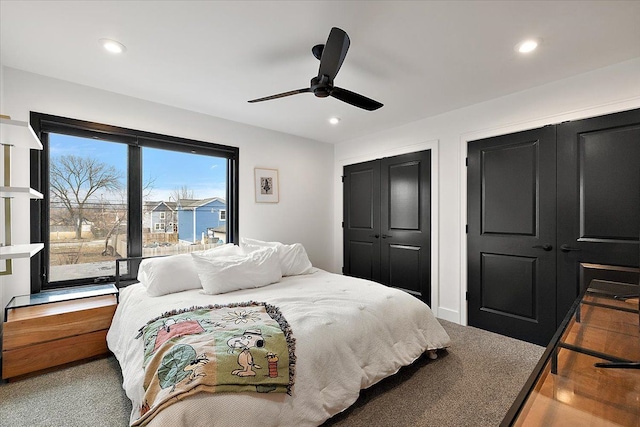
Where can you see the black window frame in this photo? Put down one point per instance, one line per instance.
(43, 124)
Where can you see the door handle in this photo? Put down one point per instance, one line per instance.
(374, 235)
(567, 248)
(384, 236)
(546, 247)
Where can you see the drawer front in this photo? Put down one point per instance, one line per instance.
(53, 353)
(27, 332)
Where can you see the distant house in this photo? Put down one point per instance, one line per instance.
(160, 217)
(201, 219)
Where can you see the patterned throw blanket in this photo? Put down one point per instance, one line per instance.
(218, 348)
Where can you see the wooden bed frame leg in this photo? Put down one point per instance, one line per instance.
(432, 354)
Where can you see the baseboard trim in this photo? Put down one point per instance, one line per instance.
(449, 315)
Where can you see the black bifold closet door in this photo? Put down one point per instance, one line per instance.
(387, 222)
(550, 209)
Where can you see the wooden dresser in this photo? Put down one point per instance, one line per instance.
(41, 332)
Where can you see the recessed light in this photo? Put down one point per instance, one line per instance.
(528, 45)
(334, 120)
(112, 46)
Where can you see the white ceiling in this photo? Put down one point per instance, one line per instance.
(419, 59)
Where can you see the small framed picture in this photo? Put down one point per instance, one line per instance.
(266, 185)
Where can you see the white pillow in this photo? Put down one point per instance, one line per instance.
(219, 275)
(166, 275)
(293, 258)
(222, 250)
(177, 273)
(244, 241)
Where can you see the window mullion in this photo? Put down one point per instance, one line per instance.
(134, 193)
(232, 199)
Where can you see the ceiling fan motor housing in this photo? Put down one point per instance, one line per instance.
(321, 86)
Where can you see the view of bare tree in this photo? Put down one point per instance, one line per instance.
(184, 192)
(109, 250)
(75, 180)
(147, 187)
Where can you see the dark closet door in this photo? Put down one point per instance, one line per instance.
(361, 227)
(387, 222)
(511, 234)
(405, 223)
(598, 200)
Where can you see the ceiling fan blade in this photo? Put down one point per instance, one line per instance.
(334, 52)
(355, 99)
(282, 95)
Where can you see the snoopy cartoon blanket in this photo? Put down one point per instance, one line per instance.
(218, 348)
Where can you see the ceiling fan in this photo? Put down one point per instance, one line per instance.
(331, 56)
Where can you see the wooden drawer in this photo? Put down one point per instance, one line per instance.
(53, 353)
(43, 336)
(32, 325)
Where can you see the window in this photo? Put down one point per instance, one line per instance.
(110, 193)
(88, 208)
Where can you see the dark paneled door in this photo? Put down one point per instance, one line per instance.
(361, 227)
(387, 230)
(405, 223)
(598, 202)
(511, 235)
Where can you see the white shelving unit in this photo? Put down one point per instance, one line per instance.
(18, 134)
(11, 192)
(15, 134)
(20, 251)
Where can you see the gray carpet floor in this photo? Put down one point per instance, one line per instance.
(474, 383)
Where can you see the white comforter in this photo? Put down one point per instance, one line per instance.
(350, 334)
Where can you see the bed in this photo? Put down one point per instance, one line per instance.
(349, 334)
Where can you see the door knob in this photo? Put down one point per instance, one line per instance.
(374, 235)
(384, 236)
(546, 247)
(567, 248)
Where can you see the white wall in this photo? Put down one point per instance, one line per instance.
(304, 213)
(2, 90)
(602, 91)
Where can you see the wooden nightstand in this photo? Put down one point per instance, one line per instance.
(53, 328)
